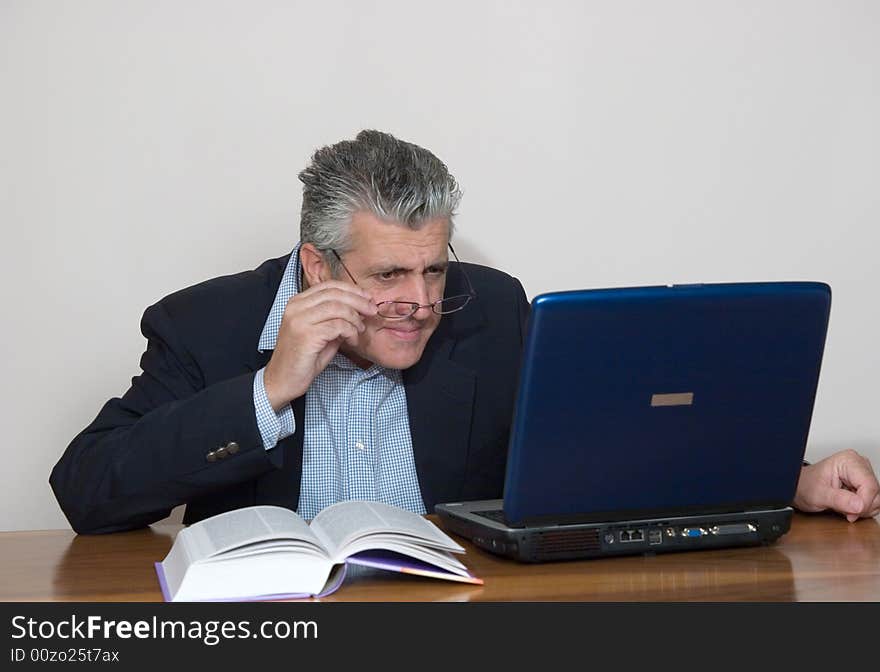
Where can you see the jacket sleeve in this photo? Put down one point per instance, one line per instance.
(156, 447)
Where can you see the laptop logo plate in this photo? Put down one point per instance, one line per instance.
(674, 399)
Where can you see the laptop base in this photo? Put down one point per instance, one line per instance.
(596, 540)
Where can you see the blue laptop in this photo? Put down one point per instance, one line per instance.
(656, 419)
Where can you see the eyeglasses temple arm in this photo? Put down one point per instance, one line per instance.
(471, 289)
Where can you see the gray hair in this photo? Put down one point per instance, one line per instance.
(396, 181)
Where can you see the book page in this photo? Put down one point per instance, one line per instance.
(280, 546)
(340, 525)
(248, 526)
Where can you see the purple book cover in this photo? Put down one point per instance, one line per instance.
(395, 562)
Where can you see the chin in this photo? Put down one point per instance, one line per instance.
(398, 360)
(395, 355)
(390, 351)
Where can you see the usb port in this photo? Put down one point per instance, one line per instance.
(655, 537)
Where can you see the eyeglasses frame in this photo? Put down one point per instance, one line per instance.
(471, 294)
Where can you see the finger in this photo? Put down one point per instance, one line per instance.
(858, 475)
(335, 284)
(334, 310)
(333, 290)
(323, 293)
(336, 329)
(355, 303)
(841, 500)
(855, 470)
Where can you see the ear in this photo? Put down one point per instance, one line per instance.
(315, 269)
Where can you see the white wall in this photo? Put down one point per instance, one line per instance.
(148, 145)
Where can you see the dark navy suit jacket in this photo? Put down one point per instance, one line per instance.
(148, 451)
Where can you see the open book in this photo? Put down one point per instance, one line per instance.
(269, 552)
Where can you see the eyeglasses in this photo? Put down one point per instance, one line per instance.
(400, 310)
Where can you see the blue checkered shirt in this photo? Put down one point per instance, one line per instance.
(357, 442)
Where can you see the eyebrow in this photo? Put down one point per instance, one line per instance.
(442, 265)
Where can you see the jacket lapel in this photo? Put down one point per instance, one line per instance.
(440, 397)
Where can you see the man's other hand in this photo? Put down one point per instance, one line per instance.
(844, 482)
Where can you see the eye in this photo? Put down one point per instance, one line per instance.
(435, 270)
(388, 275)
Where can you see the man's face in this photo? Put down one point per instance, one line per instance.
(394, 263)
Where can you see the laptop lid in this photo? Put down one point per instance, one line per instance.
(667, 400)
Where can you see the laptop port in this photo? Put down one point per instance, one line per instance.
(631, 535)
(693, 532)
(734, 528)
(655, 537)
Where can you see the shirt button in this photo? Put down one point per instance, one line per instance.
(359, 445)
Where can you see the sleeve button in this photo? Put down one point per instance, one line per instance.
(232, 447)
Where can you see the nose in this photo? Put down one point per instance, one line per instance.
(418, 292)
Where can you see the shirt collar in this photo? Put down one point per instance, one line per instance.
(289, 287)
(343, 363)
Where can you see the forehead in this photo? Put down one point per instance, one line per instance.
(374, 240)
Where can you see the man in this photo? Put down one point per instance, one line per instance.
(364, 365)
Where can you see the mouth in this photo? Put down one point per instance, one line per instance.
(405, 332)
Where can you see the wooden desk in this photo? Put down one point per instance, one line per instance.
(822, 558)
